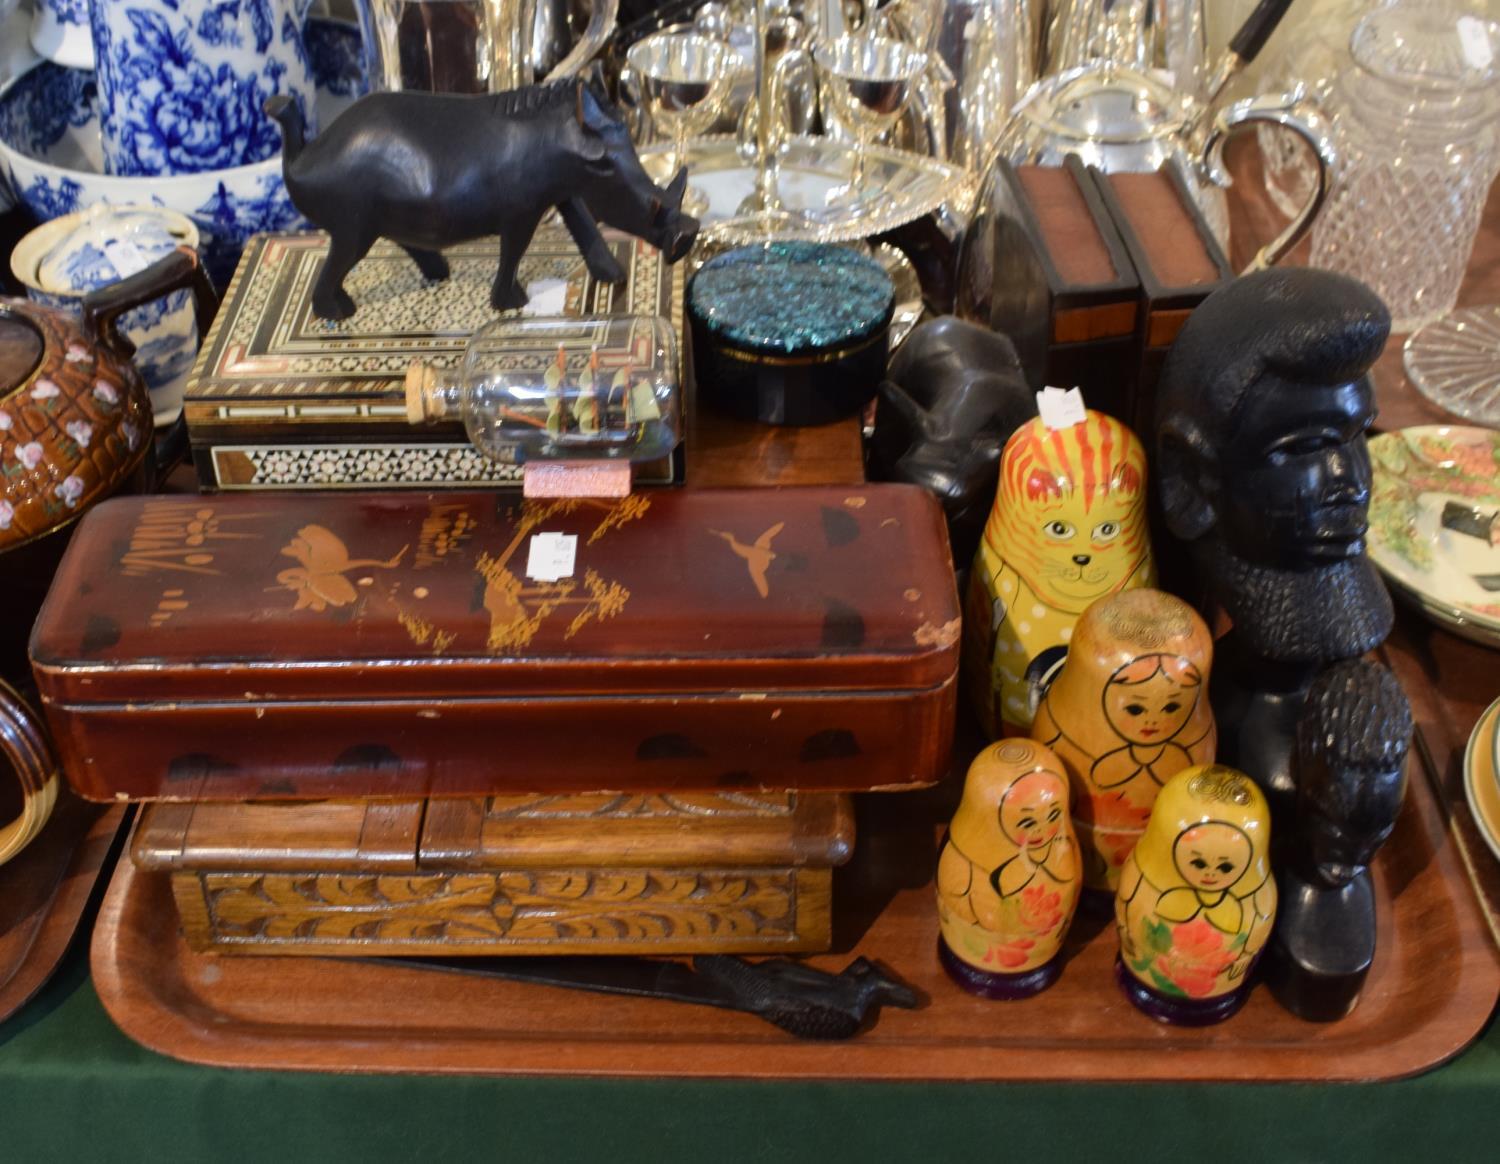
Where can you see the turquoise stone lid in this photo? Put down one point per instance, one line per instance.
(790, 297)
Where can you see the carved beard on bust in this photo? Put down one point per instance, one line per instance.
(1318, 614)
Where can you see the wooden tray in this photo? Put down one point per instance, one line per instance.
(1432, 988)
(1430, 992)
(43, 893)
(1450, 681)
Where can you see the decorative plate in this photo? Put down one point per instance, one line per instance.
(1482, 777)
(900, 187)
(1435, 523)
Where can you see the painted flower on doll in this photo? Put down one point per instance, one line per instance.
(1039, 909)
(1195, 957)
(1010, 956)
(1114, 813)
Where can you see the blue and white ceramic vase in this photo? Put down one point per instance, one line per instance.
(61, 261)
(182, 83)
(60, 32)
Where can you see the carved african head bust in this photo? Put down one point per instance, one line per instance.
(1262, 464)
(1352, 742)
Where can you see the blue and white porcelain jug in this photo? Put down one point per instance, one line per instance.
(182, 82)
(63, 260)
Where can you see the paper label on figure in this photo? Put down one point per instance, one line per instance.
(1475, 39)
(546, 297)
(550, 556)
(1061, 407)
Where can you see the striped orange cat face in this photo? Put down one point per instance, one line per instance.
(1070, 517)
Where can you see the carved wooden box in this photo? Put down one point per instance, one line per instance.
(281, 399)
(346, 645)
(615, 873)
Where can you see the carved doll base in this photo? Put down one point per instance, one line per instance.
(1323, 945)
(1180, 1012)
(1002, 987)
(1318, 997)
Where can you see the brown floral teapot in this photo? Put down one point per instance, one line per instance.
(75, 428)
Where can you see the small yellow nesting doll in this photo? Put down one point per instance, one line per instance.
(1128, 711)
(1068, 527)
(1008, 875)
(1197, 900)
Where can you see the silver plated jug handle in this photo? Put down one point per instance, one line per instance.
(601, 26)
(1294, 112)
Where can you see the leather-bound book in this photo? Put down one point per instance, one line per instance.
(1177, 262)
(1042, 263)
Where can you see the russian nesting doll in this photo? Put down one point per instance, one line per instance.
(1128, 711)
(1197, 900)
(1068, 527)
(1008, 874)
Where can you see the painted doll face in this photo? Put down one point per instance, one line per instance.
(1150, 699)
(1070, 516)
(1031, 811)
(1212, 856)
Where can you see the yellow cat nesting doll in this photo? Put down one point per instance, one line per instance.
(1197, 900)
(1008, 875)
(1128, 711)
(1068, 527)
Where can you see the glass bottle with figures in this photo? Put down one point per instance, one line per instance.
(610, 392)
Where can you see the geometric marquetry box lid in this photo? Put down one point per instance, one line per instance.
(268, 358)
(729, 872)
(279, 398)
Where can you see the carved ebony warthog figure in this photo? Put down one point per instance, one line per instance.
(430, 170)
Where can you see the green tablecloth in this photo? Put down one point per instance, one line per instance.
(74, 1088)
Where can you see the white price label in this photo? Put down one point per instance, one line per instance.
(546, 297)
(1475, 38)
(125, 257)
(550, 556)
(1061, 407)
